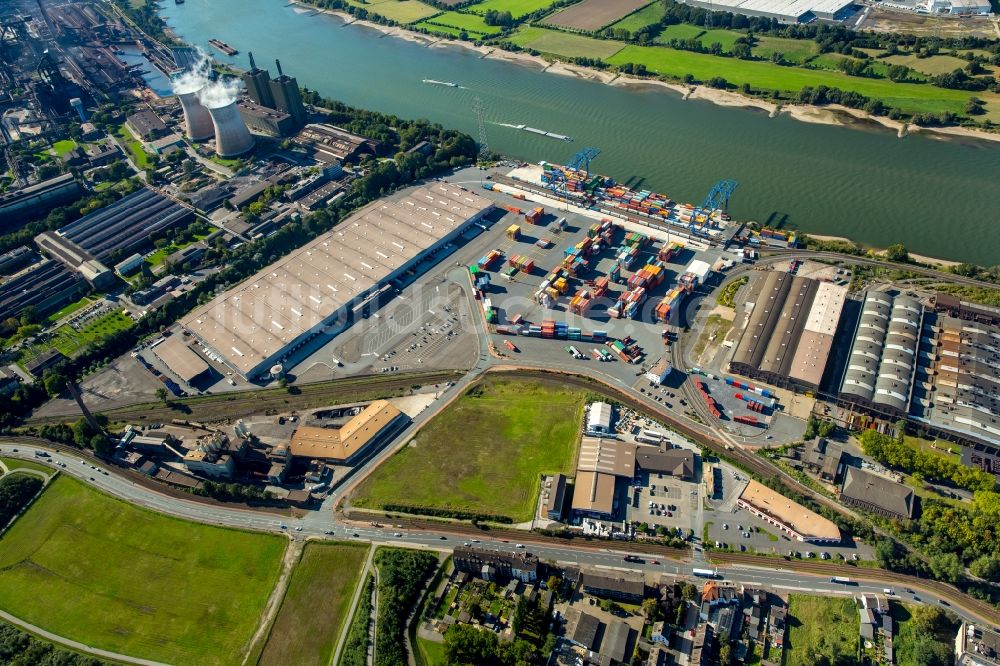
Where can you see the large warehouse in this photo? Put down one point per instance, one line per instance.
(790, 330)
(786, 11)
(277, 311)
(883, 358)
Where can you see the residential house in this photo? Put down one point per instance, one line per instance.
(496, 566)
(867, 626)
(628, 587)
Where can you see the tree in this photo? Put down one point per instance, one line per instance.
(986, 567)
(161, 395)
(726, 653)
(946, 567)
(54, 382)
(553, 583)
(16, 490)
(897, 252)
(652, 610)
(929, 619)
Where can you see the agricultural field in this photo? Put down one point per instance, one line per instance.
(591, 15)
(485, 453)
(401, 11)
(910, 97)
(678, 31)
(792, 50)
(517, 8)
(932, 66)
(141, 583)
(454, 23)
(648, 15)
(820, 627)
(564, 44)
(315, 606)
(725, 37)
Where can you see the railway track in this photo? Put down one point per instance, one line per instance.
(238, 405)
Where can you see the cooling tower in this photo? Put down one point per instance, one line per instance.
(196, 117)
(231, 134)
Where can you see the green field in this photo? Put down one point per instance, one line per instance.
(134, 147)
(725, 37)
(431, 653)
(517, 8)
(932, 66)
(13, 463)
(69, 309)
(648, 15)
(793, 50)
(109, 574)
(564, 44)
(315, 606)
(69, 341)
(484, 453)
(679, 31)
(820, 627)
(470, 23)
(909, 97)
(401, 11)
(60, 148)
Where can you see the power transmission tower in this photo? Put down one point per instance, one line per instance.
(479, 108)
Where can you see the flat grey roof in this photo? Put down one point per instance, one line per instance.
(260, 317)
(864, 486)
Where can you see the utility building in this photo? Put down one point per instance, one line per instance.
(287, 99)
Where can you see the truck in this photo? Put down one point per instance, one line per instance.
(511, 346)
(705, 573)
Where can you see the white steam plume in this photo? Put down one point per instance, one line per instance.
(198, 79)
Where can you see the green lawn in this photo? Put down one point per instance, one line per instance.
(69, 341)
(725, 37)
(106, 573)
(470, 23)
(315, 606)
(564, 44)
(934, 65)
(60, 148)
(134, 147)
(910, 97)
(935, 447)
(69, 309)
(793, 50)
(517, 8)
(818, 627)
(484, 453)
(679, 31)
(14, 463)
(431, 653)
(648, 15)
(443, 30)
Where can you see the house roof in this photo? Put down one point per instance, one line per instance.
(581, 628)
(676, 462)
(863, 486)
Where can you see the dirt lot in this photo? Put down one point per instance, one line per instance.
(591, 15)
(884, 20)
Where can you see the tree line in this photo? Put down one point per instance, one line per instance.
(401, 576)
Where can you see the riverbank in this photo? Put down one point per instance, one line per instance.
(929, 262)
(832, 114)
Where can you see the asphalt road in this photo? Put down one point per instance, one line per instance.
(778, 575)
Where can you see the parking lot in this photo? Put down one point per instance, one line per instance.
(659, 499)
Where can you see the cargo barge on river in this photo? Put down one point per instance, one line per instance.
(222, 46)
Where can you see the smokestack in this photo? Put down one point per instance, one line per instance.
(197, 120)
(232, 137)
(253, 65)
(277, 63)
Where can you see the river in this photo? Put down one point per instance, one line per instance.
(938, 197)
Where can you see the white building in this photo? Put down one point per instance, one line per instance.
(659, 372)
(599, 418)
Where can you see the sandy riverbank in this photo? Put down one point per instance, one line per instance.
(932, 262)
(825, 115)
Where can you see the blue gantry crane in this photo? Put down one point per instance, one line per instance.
(579, 162)
(716, 199)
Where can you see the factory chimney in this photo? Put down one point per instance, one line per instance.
(277, 63)
(258, 85)
(197, 120)
(232, 137)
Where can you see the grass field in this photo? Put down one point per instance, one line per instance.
(470, 23)
(564, 44)
(725, 37)
(648, 15)
(818, 627)
(13, 463)
(793, 50)
(69, 309)
(69, 341)
(431, 653)
(484, 453)
(134, 147)
(678, 31)
(141, 583)
(315, 606)
(764, 75)
(517, 8)
(60, 148)
(401, 11)
(939, 64)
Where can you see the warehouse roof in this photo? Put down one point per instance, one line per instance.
(676, 462)
(345, 442)
(869, 488)
(258, 319)
(180, 358)
(599, 416)
(807, 523)
(608, 456)
(594, 492)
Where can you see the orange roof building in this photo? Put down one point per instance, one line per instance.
(343, 444)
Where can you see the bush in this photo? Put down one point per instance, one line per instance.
(401, 575)
(16, 490)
